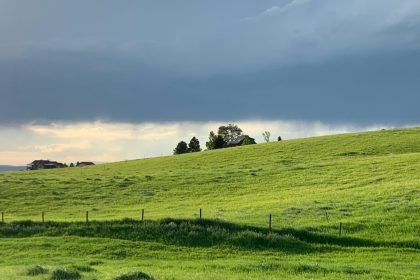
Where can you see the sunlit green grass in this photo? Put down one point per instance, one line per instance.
(370, 182)
(111, 257)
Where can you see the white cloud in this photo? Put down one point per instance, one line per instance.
(106, 131)
(107, 142)
(289, 6)
(270, 11)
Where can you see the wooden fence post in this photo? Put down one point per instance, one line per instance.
(142, 214)
(200, 214)
(339, 234)
(42, 217)
(87, 216)
(269, 223)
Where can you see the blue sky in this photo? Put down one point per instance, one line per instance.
(347, 65)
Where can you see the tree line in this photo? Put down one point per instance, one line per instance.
(227, 136)
(192, 147)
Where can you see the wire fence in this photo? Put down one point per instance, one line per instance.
(200, 216)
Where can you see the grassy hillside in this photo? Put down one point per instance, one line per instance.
(368, 181)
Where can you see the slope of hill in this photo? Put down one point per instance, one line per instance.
(369, 182)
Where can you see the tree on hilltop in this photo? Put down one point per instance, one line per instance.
(194, 145)
(229, 133)
(181, 148)
(215, 141)
(266, 135)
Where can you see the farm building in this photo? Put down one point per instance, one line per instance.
(237, 142)
(241, 140)
(44, 164)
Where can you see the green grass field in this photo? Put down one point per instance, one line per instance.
(370, 182)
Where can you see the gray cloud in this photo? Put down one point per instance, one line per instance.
(92, 86)
(335, 61)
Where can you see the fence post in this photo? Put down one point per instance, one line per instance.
(87, 216)
(2, 217)
(339, 234)
(269, 223)
(142, 214)
(42, 216)
(200, 214)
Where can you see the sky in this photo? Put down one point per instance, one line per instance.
(106, 80)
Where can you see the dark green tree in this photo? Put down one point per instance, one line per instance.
(279, 138)
(215, 142)
(181, 148)
(229, 133)
(248, 140)
(194, 145)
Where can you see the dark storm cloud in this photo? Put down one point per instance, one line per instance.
(335, 61)
(90, 86)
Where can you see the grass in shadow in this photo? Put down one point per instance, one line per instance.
(138, 275)
(36, 270)
(194, 233)
(64, 274)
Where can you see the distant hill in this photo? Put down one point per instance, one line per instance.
(11, 168)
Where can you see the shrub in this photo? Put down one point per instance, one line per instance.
(353, 270)
(64, 274)
(83, 268)
(36, 270)
(134, 276)
(148, 178)
(97, 262)
(310, 268)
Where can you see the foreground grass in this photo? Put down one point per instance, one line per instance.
(213, 250)
(370, 182)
